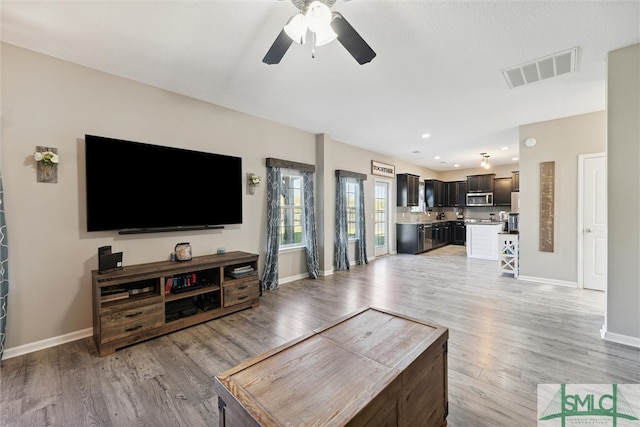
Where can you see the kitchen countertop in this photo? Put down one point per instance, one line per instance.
(482, 222)
(466, 221)
(436, 221)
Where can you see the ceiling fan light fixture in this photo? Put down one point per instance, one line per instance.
(325, 35)
(326, 26)
(296, 28)
(318, 16)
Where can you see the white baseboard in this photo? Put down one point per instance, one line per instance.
(293, 278)
(326, 272)
(619, 338)
(49, 342)
(548, 281)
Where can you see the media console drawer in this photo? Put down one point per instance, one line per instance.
(135, 314)
(135, 326)
(245, 290)
(372, 368)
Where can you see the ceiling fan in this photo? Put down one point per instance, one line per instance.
(316, 17)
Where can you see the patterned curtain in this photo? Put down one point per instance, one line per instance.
(4, 272)
(274, 192)
(313, 263)
(342, 241)
(362, 240)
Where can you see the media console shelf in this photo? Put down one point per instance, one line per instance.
(135, 303)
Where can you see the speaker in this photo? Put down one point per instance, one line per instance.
(108, 261)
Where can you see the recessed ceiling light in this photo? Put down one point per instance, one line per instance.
(426, 135)
(515, 158)
(437, 157)
(456, 165)
(504, 148)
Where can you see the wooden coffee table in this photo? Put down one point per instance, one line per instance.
(372, 367)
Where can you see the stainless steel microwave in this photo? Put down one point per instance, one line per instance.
(479, 199)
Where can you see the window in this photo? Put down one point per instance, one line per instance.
(291, 210)
(352, 208)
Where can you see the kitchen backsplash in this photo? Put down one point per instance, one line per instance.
(405, 214)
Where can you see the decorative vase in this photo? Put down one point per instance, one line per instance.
(47, 173)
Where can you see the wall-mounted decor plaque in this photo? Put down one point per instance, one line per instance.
(547, 205)
(382, 169)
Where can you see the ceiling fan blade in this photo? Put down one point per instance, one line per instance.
(278, 49)
(351, 40)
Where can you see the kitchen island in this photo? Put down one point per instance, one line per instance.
(482, 239)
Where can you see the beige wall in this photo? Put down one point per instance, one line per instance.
(55, 103)
(561, 141)
(622, 322)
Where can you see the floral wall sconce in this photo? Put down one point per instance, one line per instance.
(46, 164)
(253, 181)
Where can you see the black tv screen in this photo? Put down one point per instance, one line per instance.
(139, 187)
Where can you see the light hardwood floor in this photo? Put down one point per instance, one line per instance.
(506, 336)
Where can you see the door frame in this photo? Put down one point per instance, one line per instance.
(389, 184)
(580, 247)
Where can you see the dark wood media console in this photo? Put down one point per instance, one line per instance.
(131, 305)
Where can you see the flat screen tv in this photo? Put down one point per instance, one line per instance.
(136, 187)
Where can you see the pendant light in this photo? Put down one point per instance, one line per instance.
(484, 163)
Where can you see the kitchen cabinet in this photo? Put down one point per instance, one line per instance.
(440, 234)
(413, 238)
(480, 183)
(459, 235)
(515, 183)
(502, 191)
(456, 194)
(446, 234)
(408, 187)
(434, 193)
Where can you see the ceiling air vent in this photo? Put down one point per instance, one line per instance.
(542, 68)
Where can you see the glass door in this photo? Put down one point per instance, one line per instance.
(381, 218)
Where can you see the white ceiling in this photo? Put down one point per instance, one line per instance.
(437, 70)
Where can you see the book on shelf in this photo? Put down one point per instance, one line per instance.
(115, 289)
(242, 269)
(137, 291)
(237, 272)
(114, 296)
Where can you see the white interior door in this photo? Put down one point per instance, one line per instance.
(381, 218)
(594, 222)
